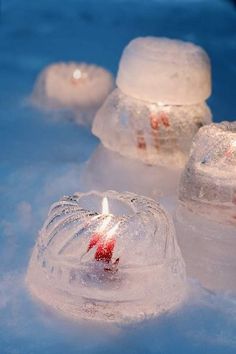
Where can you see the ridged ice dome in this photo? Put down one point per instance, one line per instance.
(165, 70)
(122, 265)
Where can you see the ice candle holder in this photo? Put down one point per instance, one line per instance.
(79, 87)
(159, 104)
(206, 216)
(107, 256)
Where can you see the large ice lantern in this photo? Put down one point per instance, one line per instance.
(165, 71)
(206, 216)
(159, 104)
(107, 256)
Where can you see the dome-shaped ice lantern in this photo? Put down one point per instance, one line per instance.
(107, 256)
(159, 104)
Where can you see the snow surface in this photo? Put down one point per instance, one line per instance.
(41, 160)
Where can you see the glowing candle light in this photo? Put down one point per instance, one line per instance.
(78, 75)
(105, 241)
(74, 264)
(80, 88)
(105, 206)
(154, 116)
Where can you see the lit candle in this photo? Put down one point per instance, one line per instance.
(154, 116)
(78, 75)
(105, 241)
(77, 87)
(91, 288)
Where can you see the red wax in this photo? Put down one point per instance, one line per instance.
(105, 247)
(105, 250)
(165, 119)
(94, 240)
(159, 119)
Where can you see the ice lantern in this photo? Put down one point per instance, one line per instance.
(206, 216)
(159, 104)
(78, 87)
(117, 263)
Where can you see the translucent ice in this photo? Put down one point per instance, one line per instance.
(165, 70)
(152, 133)
(209, 181)
(206, 217)
(160, 101)
(77, 86)
(107, 169)
(121, 264)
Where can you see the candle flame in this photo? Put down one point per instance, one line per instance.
(105, 223)
(77, 74)
(105, 206)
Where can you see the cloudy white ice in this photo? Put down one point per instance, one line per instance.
(41, 160)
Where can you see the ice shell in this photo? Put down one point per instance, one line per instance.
(208, 184)
(165, 70)
(154, 134)
(77, 86)
(65, 272)
(208, 248)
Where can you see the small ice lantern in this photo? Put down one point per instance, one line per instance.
(206, 216)
(159, 104)
(109, 257)
(79, 87)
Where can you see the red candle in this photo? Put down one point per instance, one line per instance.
(105, 241)
(104, 251)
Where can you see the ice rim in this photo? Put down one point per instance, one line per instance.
(154, 133)
(208, 183)
(65, 284)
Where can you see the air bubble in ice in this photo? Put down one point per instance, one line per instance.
(79, 87)
(121, 266)
(206, 217)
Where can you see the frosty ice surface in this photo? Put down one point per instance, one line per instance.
(209, 180)
(153, 133)
(122, 264)
(159, 104)
(206, 217)
(164, 70)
